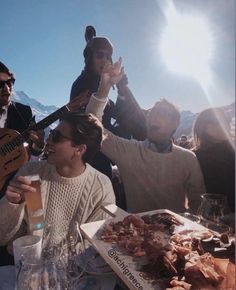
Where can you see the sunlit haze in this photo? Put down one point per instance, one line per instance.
(187, 45)
(181, 50)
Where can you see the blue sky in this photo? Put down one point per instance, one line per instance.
(43, 41)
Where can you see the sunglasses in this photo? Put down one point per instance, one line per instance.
(56, 136)
(102, 54)
(9, 83)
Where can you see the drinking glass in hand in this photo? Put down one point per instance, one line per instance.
(34, 204)
(212, 210)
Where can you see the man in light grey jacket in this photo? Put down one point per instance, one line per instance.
(156, 173)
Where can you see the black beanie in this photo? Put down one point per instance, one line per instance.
(5, 69)
(95, 43)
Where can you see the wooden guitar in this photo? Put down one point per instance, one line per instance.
(13, 153)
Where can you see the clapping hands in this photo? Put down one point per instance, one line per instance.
(111, 75)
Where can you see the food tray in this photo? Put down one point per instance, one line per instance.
(124, 265)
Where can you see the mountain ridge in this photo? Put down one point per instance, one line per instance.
(187, 117)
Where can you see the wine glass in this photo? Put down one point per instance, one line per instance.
(75, 247)
(212, 210)
(53, 242)
(28, 276)
(46, 274)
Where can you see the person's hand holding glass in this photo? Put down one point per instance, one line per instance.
(27, 188)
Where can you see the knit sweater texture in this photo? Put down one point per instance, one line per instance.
(64, 200)
(153, 180)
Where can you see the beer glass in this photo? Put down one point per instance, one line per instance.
(34, 204)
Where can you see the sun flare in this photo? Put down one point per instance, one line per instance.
(187, 45)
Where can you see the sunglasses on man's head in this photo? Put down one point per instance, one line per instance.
(102, 54)
(9, 83)
(56, 136)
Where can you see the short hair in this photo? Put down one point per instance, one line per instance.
(5, 69)
(170, 110)
(209, 116)
(86, 129)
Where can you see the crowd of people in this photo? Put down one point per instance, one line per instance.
(76, 177)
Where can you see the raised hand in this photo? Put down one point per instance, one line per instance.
(111, 75)
(37, 137)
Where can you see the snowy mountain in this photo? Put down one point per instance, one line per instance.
(187, 117)
(40, 111)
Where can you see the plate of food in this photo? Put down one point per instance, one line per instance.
(161, 250)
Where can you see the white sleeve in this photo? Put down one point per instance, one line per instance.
(96, 106)
(114, 147)
(11, 217)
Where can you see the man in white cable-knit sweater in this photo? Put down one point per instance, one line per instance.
(156, 173)
(71, 189)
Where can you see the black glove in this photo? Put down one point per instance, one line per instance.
(121, 84)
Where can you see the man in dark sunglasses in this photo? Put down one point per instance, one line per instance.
(56, 136)
(16, 116)
(72, 190)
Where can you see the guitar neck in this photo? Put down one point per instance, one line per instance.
(51, 118)
(24, 136)
(45, 122)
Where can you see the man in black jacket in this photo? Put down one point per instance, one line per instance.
(18, 117)
(14, 115)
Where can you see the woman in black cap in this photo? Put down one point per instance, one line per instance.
(97, 53)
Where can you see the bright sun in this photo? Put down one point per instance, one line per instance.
(187, 45)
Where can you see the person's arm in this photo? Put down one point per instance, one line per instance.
(11, 218)
(12, 208)
(96, 106)
(129, 114)
(36, 138)
(36, 144)
(113, 147)
(111, 75)
(103, 196)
